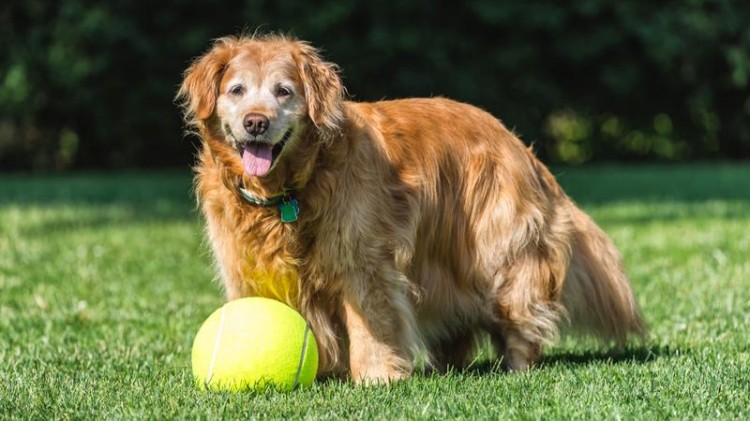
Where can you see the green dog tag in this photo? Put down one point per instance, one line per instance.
(289, 211)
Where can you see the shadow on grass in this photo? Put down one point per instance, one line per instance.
(99, 200)
(650, 194)
(647, 212)
(118, 214)
(636, 355)
(90, 188)
(684, 183)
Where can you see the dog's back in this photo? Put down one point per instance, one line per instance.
(489, 220)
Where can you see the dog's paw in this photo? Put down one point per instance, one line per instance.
(374, 376)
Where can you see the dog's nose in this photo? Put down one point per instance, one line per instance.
(255, 124)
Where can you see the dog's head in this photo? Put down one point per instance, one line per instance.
(260, 94)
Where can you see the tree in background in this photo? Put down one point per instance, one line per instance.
(90, 84)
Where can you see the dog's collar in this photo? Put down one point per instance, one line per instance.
(288, 205)
(263, 202)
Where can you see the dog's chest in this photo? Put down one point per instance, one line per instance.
(269, 264)
(276, 281)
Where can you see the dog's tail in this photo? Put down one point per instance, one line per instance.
(596, 293)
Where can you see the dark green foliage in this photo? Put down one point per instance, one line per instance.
(90, 84)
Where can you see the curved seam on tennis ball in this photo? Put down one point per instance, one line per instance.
(216, 348)
(301, 357)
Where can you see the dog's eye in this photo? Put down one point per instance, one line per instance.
(236, 90)
(283, 91)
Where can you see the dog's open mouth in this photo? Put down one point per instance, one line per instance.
(259, 157)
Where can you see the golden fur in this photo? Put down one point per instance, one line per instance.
(423, 222)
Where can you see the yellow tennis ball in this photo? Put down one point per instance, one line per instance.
(253, 343)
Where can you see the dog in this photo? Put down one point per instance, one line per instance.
(397, 228)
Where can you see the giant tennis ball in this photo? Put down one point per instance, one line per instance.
(254, 343)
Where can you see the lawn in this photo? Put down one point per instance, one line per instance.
(105, 279)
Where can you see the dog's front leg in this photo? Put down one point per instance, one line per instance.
(380, 324)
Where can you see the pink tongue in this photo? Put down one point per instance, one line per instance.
(256, 159)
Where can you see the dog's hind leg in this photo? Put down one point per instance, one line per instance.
(528, 306)
(527, 289)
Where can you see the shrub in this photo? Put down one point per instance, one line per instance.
(91, 85)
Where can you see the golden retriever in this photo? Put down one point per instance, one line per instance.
(394, 227)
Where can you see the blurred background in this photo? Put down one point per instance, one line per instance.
(90, 84)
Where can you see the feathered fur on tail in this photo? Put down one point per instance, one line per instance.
(597, 294)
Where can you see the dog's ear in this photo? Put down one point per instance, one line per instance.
(324, 91)
(200, 85)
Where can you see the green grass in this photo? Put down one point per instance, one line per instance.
(104, 281)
